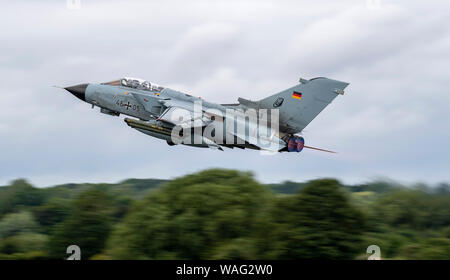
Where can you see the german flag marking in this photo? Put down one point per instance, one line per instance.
(297, 95)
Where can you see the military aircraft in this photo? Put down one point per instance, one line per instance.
(180, 118)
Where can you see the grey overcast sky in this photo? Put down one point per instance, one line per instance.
(392, 122)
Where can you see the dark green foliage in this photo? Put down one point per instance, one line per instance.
(192, 216)
(287, 187)
(24, 242)
(410, 223)
(51, 213)
(224, 214)
(319, 222)
(87, 226)
(19, 238)
(437, 248)
(18, 195)
(17, 223)
(413, 208)
(378, 187)
(141, 185)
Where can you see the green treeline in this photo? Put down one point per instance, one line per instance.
(224, 214)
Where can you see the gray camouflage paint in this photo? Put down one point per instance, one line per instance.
(149, 106)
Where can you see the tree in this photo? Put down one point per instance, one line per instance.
(319, 222)
(200, 216)
(20, 194)
(412, 208)
(51, 213)
(19, 238)
(23, 243)
(427, 249)
(87, 226)
(16, 223)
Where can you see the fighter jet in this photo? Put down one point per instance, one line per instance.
(271, 124)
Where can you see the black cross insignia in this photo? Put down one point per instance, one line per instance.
(127, 105)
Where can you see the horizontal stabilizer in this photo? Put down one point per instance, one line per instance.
(248, 103)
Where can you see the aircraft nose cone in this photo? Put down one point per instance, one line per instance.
(78, 90)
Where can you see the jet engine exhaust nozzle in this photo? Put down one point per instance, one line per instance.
(296, 144)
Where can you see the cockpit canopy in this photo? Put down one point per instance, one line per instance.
(135, 83)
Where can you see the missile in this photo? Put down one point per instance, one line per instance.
(152, 126)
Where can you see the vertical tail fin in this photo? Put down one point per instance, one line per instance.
(300, 104)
